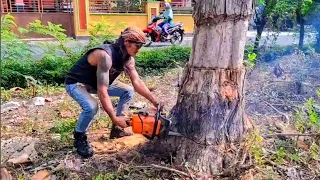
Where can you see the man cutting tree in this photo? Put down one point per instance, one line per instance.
(95, 72)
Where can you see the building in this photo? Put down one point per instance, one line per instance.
(77, 16)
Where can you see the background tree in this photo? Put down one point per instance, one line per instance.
(277, 14)
(210, 108)
(304, 8)
(313, 19)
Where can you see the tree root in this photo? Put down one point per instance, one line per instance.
(241, 163)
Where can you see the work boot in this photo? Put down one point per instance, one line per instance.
(81, 144)
(118, 132)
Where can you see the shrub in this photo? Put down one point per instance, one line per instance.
(162, 58)
(12, 47)
(18, 65)
(157, 60)
(52, 69)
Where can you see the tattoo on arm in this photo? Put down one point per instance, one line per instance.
(104, 65)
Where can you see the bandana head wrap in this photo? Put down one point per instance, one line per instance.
(133, 33)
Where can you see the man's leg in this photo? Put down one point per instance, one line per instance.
(162, 25)
(89, 109)
(125, 93)
(165, 27)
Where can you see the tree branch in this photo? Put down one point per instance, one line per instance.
(171, 169)
(284, 114)
(291, 134)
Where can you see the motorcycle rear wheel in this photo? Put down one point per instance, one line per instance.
(177, 38)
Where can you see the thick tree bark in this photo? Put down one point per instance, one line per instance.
(210, 108)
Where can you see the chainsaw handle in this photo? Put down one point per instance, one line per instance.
(129, 122)
(160, 107)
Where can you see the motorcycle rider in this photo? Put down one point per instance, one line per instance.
(168, 18)
(95, 72)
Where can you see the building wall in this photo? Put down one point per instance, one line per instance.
(23, 19)
(78, 20)
(140, 20)
(187, 21)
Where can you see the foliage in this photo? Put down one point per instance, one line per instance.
(64, 127)
(12, 47)
(307, 117)
(279, 12)
(254, 141)
(313, 18)
(269, 54)
(7, 23)
(103, 30)
(282, 11)
(307, 121)
(133, 5)
(292, 151)
(107, 176)
(103, 121)
(283, 14)
(163, 58)
(30, 91)
(307, 7)
(250, 56)
(52, 69)
(277, 15)
(54, 30)
(49, 70)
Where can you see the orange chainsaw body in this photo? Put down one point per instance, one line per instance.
(145, 124)
(150, 123)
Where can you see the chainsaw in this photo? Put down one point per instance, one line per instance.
(151, 125)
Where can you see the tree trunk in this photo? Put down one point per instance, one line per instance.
(260, 28)
(301, 35)
(261, 20)
(301, 22)
(318, 42)
(210, 108)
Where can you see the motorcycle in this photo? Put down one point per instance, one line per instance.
(154, 33)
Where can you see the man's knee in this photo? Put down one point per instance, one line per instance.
(129, 93)
(92, 108)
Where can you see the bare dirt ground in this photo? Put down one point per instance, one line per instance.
(32, 149)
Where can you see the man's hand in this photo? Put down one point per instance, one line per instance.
(121, 121)
(156, 104)
(162, 107)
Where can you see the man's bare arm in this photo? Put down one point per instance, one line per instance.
(138, 84)
(103, 66)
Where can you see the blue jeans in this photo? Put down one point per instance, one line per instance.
(81, 93)
(164, 26)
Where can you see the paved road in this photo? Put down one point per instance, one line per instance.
(284, 38)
